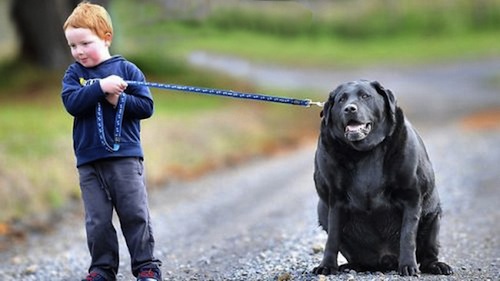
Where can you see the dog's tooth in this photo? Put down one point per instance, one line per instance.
(354, 127)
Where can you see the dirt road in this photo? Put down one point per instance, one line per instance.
(258, 221)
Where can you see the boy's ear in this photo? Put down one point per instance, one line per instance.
(108, 37)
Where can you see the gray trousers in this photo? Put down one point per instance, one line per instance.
(116, 183)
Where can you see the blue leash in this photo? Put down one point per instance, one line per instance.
(227, 93)
(199, 90)
(118, 124)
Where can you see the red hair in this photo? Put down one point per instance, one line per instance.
(91, 16)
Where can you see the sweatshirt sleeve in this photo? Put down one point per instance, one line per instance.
(139, 100)
(79, 100)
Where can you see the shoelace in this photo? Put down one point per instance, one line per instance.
(92, 276)
(149, 273)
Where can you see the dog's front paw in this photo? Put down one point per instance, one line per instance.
(325, 270)
(438, 268)
(408, 270)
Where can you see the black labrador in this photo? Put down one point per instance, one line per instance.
(377, 199)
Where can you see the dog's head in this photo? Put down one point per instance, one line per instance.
(360, 113)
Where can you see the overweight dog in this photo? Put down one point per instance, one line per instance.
(377, 199)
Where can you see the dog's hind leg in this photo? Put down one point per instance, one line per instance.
(428, 246)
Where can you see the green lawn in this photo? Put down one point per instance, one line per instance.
(331, 52)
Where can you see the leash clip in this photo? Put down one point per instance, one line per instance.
(318, 103)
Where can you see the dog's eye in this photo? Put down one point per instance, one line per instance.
(342, 99)
(365, 96)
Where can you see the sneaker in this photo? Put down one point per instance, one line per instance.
(149, 274)
(94, 276)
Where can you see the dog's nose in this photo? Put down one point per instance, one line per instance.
(350, 108)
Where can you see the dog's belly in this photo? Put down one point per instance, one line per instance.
(368, 238)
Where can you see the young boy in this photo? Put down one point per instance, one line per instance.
(106, 140)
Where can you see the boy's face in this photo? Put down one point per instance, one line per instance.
(86, 47)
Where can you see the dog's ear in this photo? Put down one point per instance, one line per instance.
(390, 99)
(327, 107)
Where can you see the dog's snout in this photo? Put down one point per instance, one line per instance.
(350, 108)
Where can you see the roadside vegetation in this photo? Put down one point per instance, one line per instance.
(189, 134)
(329, 33)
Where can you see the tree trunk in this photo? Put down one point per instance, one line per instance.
(39, 28)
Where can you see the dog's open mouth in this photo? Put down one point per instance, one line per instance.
(356, 131)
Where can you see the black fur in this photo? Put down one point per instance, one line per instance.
(377, 199)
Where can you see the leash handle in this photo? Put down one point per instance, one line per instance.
(227, 93)
(117, 126)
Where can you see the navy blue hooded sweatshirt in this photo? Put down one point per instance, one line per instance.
(81, 93)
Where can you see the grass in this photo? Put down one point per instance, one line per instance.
(331, 52)
(35, 154)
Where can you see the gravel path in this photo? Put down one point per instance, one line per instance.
(258, 221)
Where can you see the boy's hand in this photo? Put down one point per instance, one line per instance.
(113, 86)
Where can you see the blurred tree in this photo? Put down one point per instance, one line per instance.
(39, 27)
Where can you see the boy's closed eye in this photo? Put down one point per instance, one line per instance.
(85, 43)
